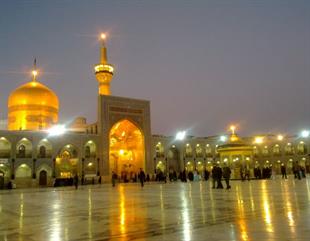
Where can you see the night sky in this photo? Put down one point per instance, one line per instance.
(202, 64)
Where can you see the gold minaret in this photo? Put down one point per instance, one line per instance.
(104, 70)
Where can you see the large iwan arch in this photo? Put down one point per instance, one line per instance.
(126, 149)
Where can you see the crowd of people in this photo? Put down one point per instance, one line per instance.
(217, 175)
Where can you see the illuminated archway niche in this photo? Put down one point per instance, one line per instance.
(126, 149)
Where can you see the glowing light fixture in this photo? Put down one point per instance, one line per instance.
(180, 135)
(90, 164)
(121, 152)
(259, 140)
(103, 36)
(57, 130)
(223, 138)
(305, 133)
(280, 137)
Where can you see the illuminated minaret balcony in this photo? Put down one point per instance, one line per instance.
(104, 71)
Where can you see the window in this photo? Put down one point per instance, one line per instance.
(301, 148)
(87, 151)
(21, 151)
(42, 152)
(276, 150)
(208, 150)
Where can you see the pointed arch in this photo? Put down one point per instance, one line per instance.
(24, 148)
(5, 148)
(126, 148)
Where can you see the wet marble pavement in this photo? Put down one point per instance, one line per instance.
(255, 210)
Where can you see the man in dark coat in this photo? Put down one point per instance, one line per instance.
(142, 177)
(283, 171)
(226, 175)
(219, 177)
(76, 181)
(214, 176)
(206, 174)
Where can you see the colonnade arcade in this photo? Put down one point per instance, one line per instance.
(43, 160)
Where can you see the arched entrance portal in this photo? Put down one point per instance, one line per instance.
(43, 178)
(126, 150)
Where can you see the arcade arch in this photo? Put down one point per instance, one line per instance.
(24, 148)
(44, 149)
(66, 165)
(5, 148)
(126, 149)
(90, 149)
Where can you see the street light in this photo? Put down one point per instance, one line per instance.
(305, 133)
(180, 135)
(259, 140)
(57, 130)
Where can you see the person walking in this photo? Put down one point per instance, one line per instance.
(214, 176)
(114, 177)
(283, 171)
(76, 181)
(206, 174)
(219, 177)
(142, 177)
(247, 173)
(226, 175)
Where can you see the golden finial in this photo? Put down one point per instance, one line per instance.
(233, 129)
(34, 71)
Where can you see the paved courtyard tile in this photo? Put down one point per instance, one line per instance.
(254, 210)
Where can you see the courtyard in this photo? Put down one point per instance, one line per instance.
(251, 210)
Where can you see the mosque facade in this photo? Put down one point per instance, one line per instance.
(36, 151)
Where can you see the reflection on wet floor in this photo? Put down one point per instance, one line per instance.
(255, 210)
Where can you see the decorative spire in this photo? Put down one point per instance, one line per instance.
(34, 71)
(103, 37)
(103, 49)
(103, 70)
(233, 129)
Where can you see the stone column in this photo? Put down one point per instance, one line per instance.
(98, 166)
(34, 169)
(13, 169)
(83, 164)
(54, 168)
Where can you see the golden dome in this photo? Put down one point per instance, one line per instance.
(32, 106)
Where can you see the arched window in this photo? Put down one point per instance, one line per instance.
(289, 149)
(199, 152)
(87, 151)
(42, 151)
(255, 151)
(74, 153)
(301, 148)
(208, 150)
(159, 149)
(21, 151)
(188, 150)
(276, 150)
(265, 151)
